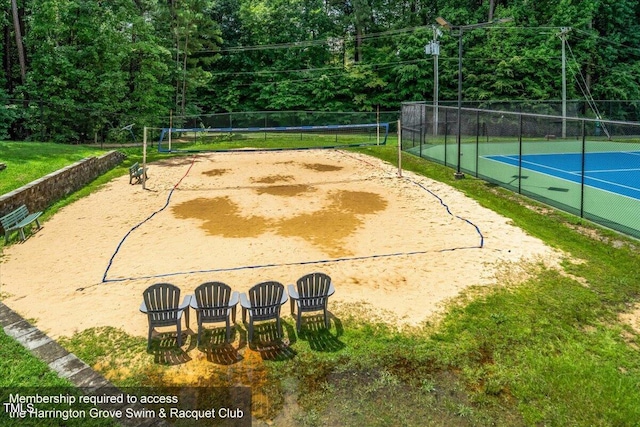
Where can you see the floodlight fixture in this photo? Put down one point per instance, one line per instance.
(443, 23)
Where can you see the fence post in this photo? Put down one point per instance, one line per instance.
(378, 125)
(477, 140)
(422, 130)
(583, 169)
(520, 155)
(446, 133)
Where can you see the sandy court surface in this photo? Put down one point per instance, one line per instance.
(401, 245)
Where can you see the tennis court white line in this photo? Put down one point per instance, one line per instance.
(575, 172)
(615, 170)
(546, 167)
(578, 174)
(615, 184)
(563, 153)
(540, 165)
(633, 153)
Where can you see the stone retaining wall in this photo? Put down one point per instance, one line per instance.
(41, 193)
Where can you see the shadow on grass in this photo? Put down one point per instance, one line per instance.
(267, 341)
(214, 344)
(165, 350)
(314, 331)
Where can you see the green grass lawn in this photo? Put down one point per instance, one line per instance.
(550, 351)
(28, 161)
(21, 373)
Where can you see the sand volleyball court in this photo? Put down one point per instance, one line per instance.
(401, 246)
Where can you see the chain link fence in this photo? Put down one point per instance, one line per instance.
(584, 166)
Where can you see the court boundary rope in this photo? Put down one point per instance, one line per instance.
(481, 245)
(135, 227)
(287, 264)
(311, 262)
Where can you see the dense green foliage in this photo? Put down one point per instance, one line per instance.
(82, 69)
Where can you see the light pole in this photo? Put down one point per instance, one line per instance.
(563, 36)
(433, 48)
(461, 28)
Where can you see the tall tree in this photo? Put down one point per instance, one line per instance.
(96, 66)
(17, 30)
(77, 64)
(195, 38)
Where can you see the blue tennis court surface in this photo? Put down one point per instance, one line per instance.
(616, 172)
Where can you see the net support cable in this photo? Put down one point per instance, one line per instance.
(584, 88)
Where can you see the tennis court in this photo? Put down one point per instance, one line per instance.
(600, 185)
(616, 172)
(589, 168)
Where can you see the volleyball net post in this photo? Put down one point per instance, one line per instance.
(144, 158)
(399, 132)
(170, 127)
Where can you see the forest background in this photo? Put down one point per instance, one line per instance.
(81, 70)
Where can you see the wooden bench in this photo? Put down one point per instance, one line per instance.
(18, 220)
(135, 173)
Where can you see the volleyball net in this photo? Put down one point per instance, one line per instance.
(211, 139)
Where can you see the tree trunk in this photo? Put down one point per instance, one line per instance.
(6, 62)
(184, 76)
(19, 45)
(358, 50)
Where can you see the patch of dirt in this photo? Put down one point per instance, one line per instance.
(272, 179)
(632, 318)
(215, 172)
(321, 167)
